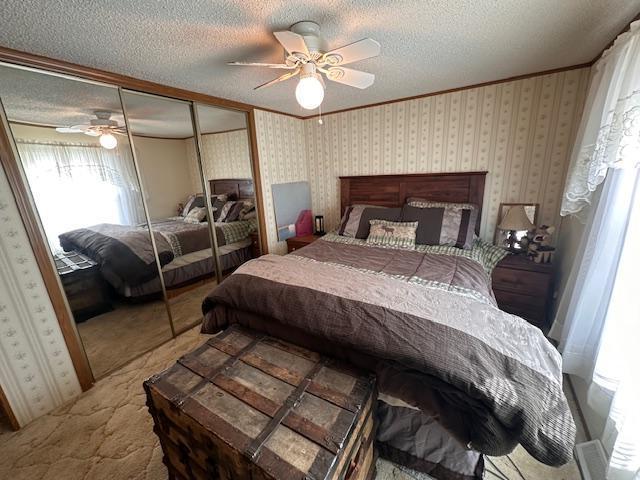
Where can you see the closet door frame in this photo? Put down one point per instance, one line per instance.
(10, 163)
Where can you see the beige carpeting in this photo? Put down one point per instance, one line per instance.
(114, 338)
(106, 433)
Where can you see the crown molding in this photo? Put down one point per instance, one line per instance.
(31, 60)
(457, 89)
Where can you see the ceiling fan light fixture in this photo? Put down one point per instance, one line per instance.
(310, 91)
(108, 141)
(305, 54)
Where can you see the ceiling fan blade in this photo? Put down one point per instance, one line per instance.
(353, 52)
(266, 65)
(68, 130)
(353, 78)
(281, 78)
(292, 42)
(92, 133)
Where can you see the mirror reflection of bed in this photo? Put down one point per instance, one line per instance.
(166, 151)
(106, 208)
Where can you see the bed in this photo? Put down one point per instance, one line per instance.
(458, 377)
(125, 253)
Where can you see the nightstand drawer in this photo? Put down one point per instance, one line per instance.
(520, 281)
(296, 243)
(293, 246)
(531, 308)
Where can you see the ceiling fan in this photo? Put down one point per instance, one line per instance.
(102, 126)
(307, 57)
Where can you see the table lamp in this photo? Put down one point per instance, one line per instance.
(515, 220)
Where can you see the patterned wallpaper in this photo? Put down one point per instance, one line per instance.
(521, 132)
(282, 152)
(36, 372)
(225, 155)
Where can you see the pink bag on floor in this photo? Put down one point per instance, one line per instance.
(304, 224)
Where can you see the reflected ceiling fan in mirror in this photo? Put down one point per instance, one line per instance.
(307, 57)
(102, 126)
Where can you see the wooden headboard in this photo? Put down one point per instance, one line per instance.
(393, 190)
(241, 188)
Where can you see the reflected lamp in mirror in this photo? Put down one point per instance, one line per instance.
(515, 220)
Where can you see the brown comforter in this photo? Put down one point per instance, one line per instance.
(427, 324)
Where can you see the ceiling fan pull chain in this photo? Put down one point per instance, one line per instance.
(320, 121)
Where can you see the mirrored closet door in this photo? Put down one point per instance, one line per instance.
(165, 147)
(74, 150)
(227, 171)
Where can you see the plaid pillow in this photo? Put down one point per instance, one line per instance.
(392, 234)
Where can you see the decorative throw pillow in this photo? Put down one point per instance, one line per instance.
(187, 205)
(224, 211)
(442, 223)
(355, 222)
(234, 213)
(248, 207)
(392, 234)
(196, 215)
(217, 202)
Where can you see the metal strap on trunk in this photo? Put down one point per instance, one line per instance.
(292, 400)
(226, 366)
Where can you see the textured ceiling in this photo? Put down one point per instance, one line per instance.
(35, 98)
(427, 45)
(158, 116)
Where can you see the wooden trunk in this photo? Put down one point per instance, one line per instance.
(245, 405)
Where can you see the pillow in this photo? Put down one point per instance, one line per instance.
(439, 223)
(217, 202)
(355, 222)
(392, 234)
(196, 215)
(251, 214)
(188, 205)
(423, 202)
(224, 211)
(234, 212)
(248, 207)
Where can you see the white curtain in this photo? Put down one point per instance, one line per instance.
(78, 185)
(598, 319)
(609, 134)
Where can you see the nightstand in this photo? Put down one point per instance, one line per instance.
(294, 243)
(256, 251)
(86, 290)
(523, 287)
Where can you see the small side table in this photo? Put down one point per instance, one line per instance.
(524, 288)
(294, 243)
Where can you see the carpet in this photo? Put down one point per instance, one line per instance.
(114, 338)
(106, 433)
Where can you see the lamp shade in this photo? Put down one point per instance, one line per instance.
(516, 219)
